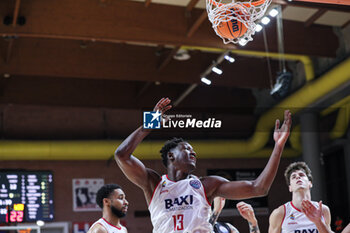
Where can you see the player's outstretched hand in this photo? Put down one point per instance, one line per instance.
(247, 212)
(281, 134)
(162, 106)
(312, 213)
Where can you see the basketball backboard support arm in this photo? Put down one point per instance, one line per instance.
(337, 2)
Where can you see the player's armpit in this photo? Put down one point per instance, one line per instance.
(145, 178)
(211, 184)
(131, 166)
(134, 170)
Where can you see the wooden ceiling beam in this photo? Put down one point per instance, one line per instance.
(191, 5)
(36, 90)
(152, 26)
(197, 23)
(294, 39)
(168, 58)
(147, 3)
(66, 59)
(9, 50)
(337, 2)
(67, 19)
(14, 24)
(143, 89)
(314, 17)
(345, 24)
(16, 12)
(314, 5)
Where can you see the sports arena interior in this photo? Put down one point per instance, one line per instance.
(77, 75)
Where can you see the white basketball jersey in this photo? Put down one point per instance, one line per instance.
(180, 207)
(295, 221)
(110, 228)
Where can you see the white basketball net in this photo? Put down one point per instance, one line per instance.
(246, 12)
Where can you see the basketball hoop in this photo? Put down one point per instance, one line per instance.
(237, 18)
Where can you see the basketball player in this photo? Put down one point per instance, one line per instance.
(291, 216)
(244, 209)
(111, 199)
(179, 201)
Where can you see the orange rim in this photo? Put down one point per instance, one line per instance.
(215, 3)
(256, 3)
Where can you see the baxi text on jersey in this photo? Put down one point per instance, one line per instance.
(178, 201)
(306, 231)
(193, 123)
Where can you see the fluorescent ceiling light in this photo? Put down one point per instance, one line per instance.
(258, 28)
(206, 81)
(216, 70)
(229, 58)
(273, 12)
(265, 20)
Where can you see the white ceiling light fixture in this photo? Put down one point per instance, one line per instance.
(217, 70)
(273, 12)
(182, 55)
(229, 58)
(205, 80)
(265, 20)
(258, 28)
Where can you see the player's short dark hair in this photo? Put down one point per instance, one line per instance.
(168, 145)
(105, 192)
(297, 166)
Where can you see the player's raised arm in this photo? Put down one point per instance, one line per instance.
(275, 220)
(132, 167)
(218, 186)
(219, 204)
(265, 179)
(247, 212)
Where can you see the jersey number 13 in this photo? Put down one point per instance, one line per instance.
(178, 222)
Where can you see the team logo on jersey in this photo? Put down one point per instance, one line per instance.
(179, 203)
(164, 183)
(162, 190)
(292, 220)
(195, 184)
